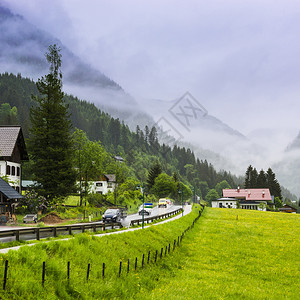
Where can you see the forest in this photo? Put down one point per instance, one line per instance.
(140, 148)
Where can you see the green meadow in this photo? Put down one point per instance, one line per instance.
(228, 254)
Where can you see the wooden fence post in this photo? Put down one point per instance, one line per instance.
(5, 274)
(128, 266)
(135, 263)
(120, 268)
(103, 270)
(143, 261)
(148, 257)
(17, 235)
(43, 273)
(68, 270)
(38, 234)
(88, 272)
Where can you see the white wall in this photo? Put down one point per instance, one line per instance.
(225, 203)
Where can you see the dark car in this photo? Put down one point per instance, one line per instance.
(112, 215)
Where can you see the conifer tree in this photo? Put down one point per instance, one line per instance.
(261, 179)
(273, 184)
(50, 142)
(247, 177)
(153, 173)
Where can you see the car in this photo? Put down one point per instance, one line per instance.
(145, 209)
(30, 218)
(112, 215)
(162, 202)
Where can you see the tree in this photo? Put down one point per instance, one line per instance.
(164, 185)
(50, 142)
(211, 195)
(261, 179)
(273, 184)
(247, 177)
(222, 186)
(278, 202)
(153, 173)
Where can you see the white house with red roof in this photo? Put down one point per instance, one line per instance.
(245, 199)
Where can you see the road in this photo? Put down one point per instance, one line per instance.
(155, 212)
(125, 223)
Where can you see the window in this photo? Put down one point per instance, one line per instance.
(13, 170)
(7, 170)
(109, 185)
(99, 184)
(99, 192)
(18, 171)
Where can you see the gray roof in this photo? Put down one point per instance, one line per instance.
(110, 177)
(8, 191)
(9, 137)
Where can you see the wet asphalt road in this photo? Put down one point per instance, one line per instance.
(125, 223)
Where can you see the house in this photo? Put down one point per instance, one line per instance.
(225, 203)
(12, 153)
(105, 184)
(288, 209)
(256, 199)
(8, 201)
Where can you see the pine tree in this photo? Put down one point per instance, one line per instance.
(261, 179)
(247, 177)
(153, 173)
(273, 184)
(50, 142)
(253, 178)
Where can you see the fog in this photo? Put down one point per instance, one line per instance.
(239, 59)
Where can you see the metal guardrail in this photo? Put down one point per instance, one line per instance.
(151, 219)
(55, 230)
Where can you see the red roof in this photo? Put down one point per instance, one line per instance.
(248, 194)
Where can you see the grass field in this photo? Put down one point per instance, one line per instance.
(229, 254)
(237, 254)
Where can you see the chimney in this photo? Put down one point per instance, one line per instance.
(263, 193)
(238, 189)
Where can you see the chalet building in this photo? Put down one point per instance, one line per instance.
(105, 184)
(288, 209)
(12, 153)
(245, 199)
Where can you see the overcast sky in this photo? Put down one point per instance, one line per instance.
(238, 58)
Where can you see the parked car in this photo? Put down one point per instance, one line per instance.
(112, 215)
(30, 218)
(146, 209)
(162, 202)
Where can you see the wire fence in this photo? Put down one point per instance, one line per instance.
(48, 273)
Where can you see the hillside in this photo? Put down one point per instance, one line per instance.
(22, 48)
(140, 148)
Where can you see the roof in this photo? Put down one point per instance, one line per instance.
(8, 191)
(9, 137)
(248, 194)
(110, 177)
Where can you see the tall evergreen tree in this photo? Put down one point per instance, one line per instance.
(253, 178)
(153, 173)
(247, 177)
(273, 184)
(50, 142)
(261, 179)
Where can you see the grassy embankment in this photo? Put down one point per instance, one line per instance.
(229, 254)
